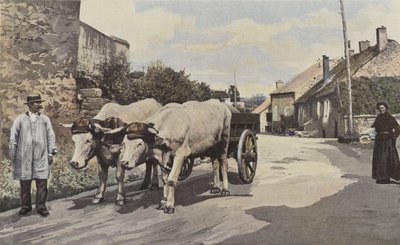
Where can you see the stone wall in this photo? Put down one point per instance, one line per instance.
(90, 101)
(39, 39)
(362, 123)
(38, 53)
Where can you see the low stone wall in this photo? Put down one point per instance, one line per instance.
(360, 122)
(363, 122)
(90, 101)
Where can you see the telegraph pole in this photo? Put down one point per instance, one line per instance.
(346, 53)
(234, 91)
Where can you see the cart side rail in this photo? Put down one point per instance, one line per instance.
(243, 121)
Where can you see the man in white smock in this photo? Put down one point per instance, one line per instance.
(32, 146)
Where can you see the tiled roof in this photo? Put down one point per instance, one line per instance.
(338, 74)
(304, 81)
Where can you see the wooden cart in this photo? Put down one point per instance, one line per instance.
(242, 146)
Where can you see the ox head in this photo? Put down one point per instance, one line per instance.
(139, 138)
(86, 135)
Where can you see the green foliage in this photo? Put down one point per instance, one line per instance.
(159, 82)
(166, 85)
(63, 182)
(231, 92)
(200, 91)
(9, 188)
(115, 80)
(366, 92)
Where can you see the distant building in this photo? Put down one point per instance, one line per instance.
(264, 109)
(94, 48)
(221, 95)
(285, 95)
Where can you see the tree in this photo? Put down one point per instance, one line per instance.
(231, 92)
(256, 99)
(115, 82)
(159, 82)
(166, 85)
(201, 91)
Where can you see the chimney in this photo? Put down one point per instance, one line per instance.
(381, 37)
(364, 45)
(325, 67)
(279, 84)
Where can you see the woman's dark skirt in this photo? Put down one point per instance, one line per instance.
(385, 161)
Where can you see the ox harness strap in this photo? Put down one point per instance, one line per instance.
(82, 125)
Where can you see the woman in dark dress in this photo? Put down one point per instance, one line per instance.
(385, 162)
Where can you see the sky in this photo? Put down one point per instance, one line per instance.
(250, 43)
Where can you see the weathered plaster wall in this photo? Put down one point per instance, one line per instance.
(39, 39)
(280, 102)
(96, 47)
(283, 101)
(332, 127)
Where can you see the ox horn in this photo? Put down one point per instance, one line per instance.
(66, 125)
(152, 129)
(95, 127)
(116, 130)
(98, 128)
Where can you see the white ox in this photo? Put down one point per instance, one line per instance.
(179, 132)
(90, 140)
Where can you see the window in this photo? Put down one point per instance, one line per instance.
(275, 113)
(327, 111)
(287, 111)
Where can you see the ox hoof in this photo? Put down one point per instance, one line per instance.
(161, 206)
(120, 202)
(154, 187)
(126, 167)
(215, 190)
(169, 210)
(97, 200)
(225, 193)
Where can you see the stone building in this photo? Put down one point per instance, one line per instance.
(283, 98)
(94, 47)
(322, 109)
(264, 110)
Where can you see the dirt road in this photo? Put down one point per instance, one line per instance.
(293, 175)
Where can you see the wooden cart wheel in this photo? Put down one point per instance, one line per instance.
(247, 156)
(186, 168)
